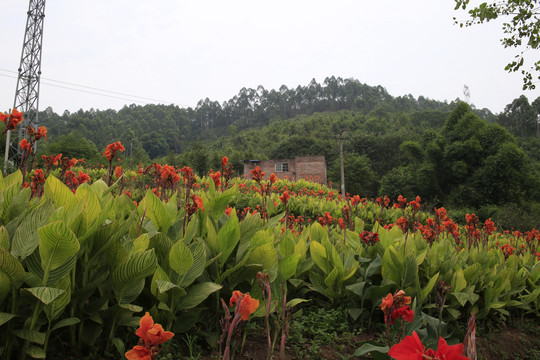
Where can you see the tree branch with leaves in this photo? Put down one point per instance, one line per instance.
(521, 28)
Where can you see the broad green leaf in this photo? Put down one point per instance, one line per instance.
(128, 277)
(264, 255)
(92, 207)
(36, 352)
(357, 289)
(425, 291)
(140, 244)
(11, 267)
(14, 179)
(198, 250)
(56, 245)
(65, 322)
(197, 294)
(57, 306)
(180, 258)
(131, 307)
(59, 193)
(212, 237)
(286, 245)
(191, 229)
(228, 237)
(319, 256)
(292, 303)
(4, 239)
(156, 211)
(370, 348)
(287, 266)
(458, 281)
(119, 345)
(5, 317)
(26, 238)
(317, 232)
(45, 294)
(163, 286)
(30, 335)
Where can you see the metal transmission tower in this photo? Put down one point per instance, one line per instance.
(467, 94)
(27, 92)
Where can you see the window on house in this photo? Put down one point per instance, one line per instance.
(280, 167)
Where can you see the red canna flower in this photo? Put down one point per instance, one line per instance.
(157, 335)
(25, 145)
(118, 171)
(112, 149)
(224, 161)
(11, 120)
(198, 201)
(139, 353)
(245, 305)
(387, 302)
(285, 197)
(257, 174)
(51, 159)
(411, 348)
(152, 334)
(217, 178)
(273, 178)
(82, 177)
(42, 133)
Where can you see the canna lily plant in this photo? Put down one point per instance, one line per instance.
(245, 305)
(151, 337)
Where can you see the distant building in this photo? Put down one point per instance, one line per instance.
(312, 168)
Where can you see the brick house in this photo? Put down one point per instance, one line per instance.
(301, 167)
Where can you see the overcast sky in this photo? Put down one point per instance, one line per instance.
(176, 51)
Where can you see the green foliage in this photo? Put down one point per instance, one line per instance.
(520, 26)
(73, 145)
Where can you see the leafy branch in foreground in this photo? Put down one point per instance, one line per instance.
(522, 29)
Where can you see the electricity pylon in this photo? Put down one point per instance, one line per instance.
(27, 92)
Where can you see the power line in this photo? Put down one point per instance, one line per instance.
(131, 97)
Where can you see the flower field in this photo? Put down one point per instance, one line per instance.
(84, 253)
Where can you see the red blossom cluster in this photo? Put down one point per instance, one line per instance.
(383, 202)
(38, 179)
(257, 174)
(369, 238)
(411, 348)
(112, 149)
(396, 306)
(151, 337)
(11, 120)
(73, 181)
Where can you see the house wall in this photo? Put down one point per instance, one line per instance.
(302, 167)
(312, 168)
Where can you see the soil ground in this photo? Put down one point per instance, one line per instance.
(510, 343)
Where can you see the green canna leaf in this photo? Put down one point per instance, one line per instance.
(228, 237)
(156, 212)
(45, 294)
(66, 322)
(5, 243)
(57, 244)
(128, 277)
(180, 258)
(59, 193)
(26, 238)
(197, 294)
(287, 266)
(12, 268)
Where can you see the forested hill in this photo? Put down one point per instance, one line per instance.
(449, 154)
(160, 129)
